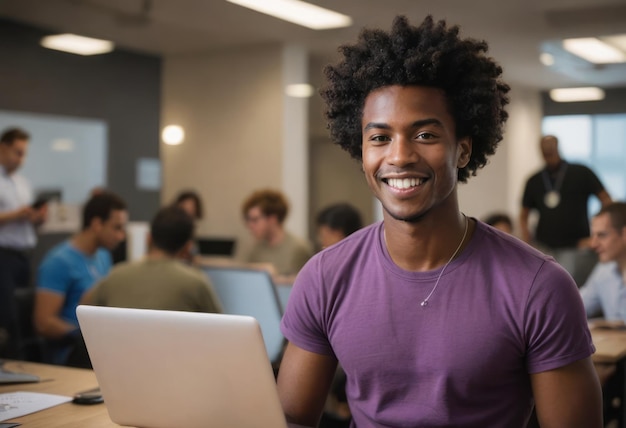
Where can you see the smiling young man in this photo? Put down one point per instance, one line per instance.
(604, 293)
(436, 319)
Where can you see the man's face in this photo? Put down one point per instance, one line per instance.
(327, 236)
(258, 223)
(112, 231)
(410, 150)
(13, 154)
(550, 152)
(608, 242)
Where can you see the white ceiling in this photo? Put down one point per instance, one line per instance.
(515, 29)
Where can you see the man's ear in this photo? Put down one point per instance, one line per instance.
(96, 224)
(464, 151)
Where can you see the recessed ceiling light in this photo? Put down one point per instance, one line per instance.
(173, 135)
(298, 12)
(299, 90)
(566, 95)
(594, 50)
(546, 59)
(77, 44)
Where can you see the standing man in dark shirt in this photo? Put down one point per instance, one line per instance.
(560, 193)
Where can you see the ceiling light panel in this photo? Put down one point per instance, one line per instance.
(594, 50)
(77, 44)
(567, 95)
(298, 12)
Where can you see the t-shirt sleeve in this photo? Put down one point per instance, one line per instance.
(555, 325)
(594, 183)
(303, 322)
(54, 275)
(527, 198)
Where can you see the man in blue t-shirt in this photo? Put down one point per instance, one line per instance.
(73, 267)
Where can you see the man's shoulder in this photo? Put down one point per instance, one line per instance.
(604, 273)
(501, 245)
(535, 177)
(62, 253)
(183, 272)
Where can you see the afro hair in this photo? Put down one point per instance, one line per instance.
(430, 55)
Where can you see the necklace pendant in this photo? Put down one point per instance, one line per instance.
(424, 303)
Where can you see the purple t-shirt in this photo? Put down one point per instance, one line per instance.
(501, 310)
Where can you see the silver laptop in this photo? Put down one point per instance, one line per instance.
(181, 369)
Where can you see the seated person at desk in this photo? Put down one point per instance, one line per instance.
(604, 292)
(335, 222)
(73, 267)
(160, 280)
(190, 201)
(264, 212)
(500, 221)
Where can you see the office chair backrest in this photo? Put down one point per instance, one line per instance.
(251, 292)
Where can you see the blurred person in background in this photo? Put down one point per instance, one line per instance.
(500, 221)
(335, 222)
(559, 193)
(284, 254)
(73, 267)
(19, 215)
(160, 280)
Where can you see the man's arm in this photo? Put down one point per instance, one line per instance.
(604, 197)
(568, 397)
(523, 225)
(304, 380)
(10, 216)
(46, 317)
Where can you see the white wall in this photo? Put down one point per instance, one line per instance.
(231, 107)
(295, 179)
(243, 133)
(499, 186)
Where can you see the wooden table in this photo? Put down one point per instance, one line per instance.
(610, 345)
(62, 381)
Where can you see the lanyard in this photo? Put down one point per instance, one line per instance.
(558, 182)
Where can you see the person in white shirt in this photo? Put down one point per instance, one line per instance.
(604, 292)
(18, 216)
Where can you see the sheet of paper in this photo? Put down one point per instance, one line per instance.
(16, 404)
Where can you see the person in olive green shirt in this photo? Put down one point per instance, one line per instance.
(264, 212)
(160, 280)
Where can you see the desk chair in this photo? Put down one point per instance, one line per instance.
(251, 292)
(31, 346)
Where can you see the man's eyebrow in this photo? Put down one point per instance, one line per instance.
(416, 124)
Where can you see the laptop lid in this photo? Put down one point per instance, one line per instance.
(181, 369)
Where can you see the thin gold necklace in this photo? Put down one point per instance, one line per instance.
(425, 301)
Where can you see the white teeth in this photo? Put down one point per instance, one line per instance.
(404, 183)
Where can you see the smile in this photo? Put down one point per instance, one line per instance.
(404, 183)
